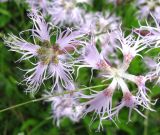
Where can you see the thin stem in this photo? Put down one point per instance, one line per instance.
(44, 98)
(146, 123)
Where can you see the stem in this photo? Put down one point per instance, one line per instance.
(146, 123)
(44, 98)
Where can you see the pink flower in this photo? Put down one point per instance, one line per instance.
(130, 47)
(129, 101)
(92, 58)
(61, 74)
(27, 49)
(69, 39)
(39, 5)
(36, 78)
(142, 89)
(101, 102)
(153, 42)
(148, 7)
(41, 29)
(65, 12)
(99, 24)
(53, 60)
(65, 106)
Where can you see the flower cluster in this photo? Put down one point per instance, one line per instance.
(97, 42)
(61, 10)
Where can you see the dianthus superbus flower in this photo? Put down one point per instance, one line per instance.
(101, 102)
(149, 6)
(92, 58)
(39, 4)
(52, 58)
(65, 106)
(52, 51)
(130, 47)
(99, 24)
(153, 42)
(65, 12)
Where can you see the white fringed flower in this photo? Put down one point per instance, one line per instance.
(101, 102)
(88, 25)
(130, 46)
(153, 42)
(109, 47)
(104, 27)
(65, 12)
(38, 5)
(153, 33)
(38, 75)
(99, 24)
(27, 49)
(41, 29)
(65, 106)
(92, 58)
(53, 60)
(106, 22)
(149, 6)
(154, 67)
(129, 101)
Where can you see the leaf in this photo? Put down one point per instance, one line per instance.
(28, 123)
(5, 17)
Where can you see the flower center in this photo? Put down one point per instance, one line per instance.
(140, 80)
(47, 55)
(108, 93)
(151, 5)
(128, 57)
(102, 64)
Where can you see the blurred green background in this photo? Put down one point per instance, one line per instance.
(34, 118)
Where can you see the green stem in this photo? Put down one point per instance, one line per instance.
(44, 98)
(146, 123)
